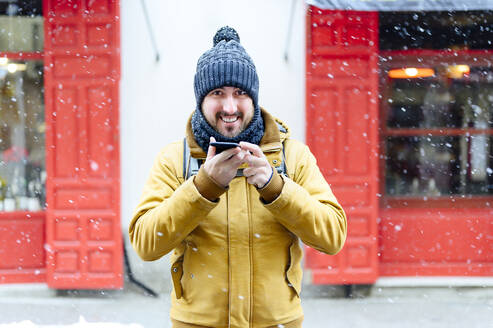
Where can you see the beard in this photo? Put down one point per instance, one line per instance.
(231, 131)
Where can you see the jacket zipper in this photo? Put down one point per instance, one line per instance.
(250, 246)
(229, 261)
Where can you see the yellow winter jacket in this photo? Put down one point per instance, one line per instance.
(236, 261)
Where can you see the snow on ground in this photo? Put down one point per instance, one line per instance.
(81, 324)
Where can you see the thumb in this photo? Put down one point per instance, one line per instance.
(211, 151)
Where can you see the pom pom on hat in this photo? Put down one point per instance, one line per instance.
(226, 33)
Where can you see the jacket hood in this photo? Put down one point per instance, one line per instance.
(275, 133)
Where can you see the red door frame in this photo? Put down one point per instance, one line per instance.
(342, 132)
(82, 74)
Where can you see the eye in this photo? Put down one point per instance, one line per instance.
(216, 92)
(240, 92)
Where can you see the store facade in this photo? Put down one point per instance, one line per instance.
(60, 169)
(399, 108)
(400, 125)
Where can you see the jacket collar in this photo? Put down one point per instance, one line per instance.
(271, 141)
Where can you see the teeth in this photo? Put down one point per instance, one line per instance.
(229, 120)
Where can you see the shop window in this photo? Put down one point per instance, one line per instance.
(22, 122)
(437, 107)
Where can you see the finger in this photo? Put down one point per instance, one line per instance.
(255, 161)
(237, 159)
(248, 172)
(250, 179)
(211, 151)
(253, 180)
(256, 151)
(228, 154)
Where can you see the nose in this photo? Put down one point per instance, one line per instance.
(229, 106)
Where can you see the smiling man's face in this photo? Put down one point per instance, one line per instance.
(228, 110)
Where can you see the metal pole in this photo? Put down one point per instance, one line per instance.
(149, 28)
(130, 274)
(290, 30)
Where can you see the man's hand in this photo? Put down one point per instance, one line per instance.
(259, 171)
(222, 167)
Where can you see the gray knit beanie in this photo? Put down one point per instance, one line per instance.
(225, 64)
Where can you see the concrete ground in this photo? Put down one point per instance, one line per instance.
(324, 306)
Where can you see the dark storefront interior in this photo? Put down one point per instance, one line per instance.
(437, 104)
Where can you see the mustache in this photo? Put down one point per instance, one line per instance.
(237, 113)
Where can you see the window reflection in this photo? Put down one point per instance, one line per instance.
(422, 166)
(437, 166)
(21, 26)
(439, 134)
(22, 136)
(428, 103)
(20, 33)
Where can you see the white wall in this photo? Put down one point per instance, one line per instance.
(156, 99)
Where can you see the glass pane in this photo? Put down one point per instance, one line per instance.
(465, 101)
(420, 103)
(473, 98)
(437, 166)
(21, 26)
(22, 136)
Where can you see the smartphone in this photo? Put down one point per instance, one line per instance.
(220, 146)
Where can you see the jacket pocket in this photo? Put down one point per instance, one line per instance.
(176, 274)
(294, 274)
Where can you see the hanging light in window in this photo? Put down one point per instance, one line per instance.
(457, 71)
(13, 67)
(411, 73)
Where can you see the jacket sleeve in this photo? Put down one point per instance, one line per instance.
(308, 208)
(168, 210)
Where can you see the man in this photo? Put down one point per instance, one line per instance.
(235, 239)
